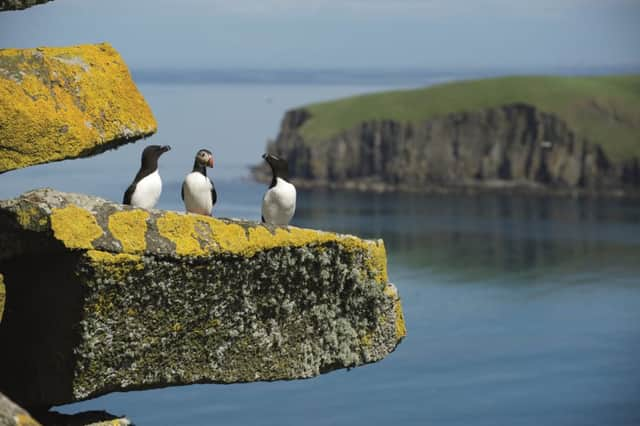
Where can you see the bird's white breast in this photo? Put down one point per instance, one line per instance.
(279, 203)
(197, 193)
(147, 192)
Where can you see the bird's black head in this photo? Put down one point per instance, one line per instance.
(204, 159)
(151, 154)
(279, 166)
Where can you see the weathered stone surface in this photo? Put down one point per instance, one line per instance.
(102, 297)
(496, 148)
(67, 102)
(19, 4)
(14, 415)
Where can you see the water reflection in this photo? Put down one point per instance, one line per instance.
(471, 235)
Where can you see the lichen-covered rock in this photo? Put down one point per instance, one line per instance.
(19, 4)
(14, 415)
(67, 102)
(102, 297)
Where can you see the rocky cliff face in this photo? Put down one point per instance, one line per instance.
(514, 146)
(102, 297)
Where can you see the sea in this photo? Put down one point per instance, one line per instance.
(520, 310)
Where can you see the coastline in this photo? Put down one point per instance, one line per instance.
(496, 186)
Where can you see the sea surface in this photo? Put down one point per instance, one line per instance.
(520, 311)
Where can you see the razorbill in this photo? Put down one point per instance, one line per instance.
(279, 202)
(198, 193)
(146, 187)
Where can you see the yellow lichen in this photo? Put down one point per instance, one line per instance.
(130, 228)
(105, 257)
(230, 238)
(401, 327)
(114, 422)
(75, 227)
(180, 229)
(367, 339)
(196, 235)
(378, 261)
(64, 102)
(115, 265)
(24, 419)
(25, 216)
(103, 306)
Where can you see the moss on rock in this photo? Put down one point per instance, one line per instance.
(164, 298)
(67, 102)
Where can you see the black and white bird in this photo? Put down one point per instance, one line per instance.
(146, 187)
(198, 192)
(279, 202)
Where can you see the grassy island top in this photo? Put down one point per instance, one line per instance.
(605, 109)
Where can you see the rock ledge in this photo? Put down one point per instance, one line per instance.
(101, 297)
(67, 102)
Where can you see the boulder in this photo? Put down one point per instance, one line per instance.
(103, 297)
(67, 102)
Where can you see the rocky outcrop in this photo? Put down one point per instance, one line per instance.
(102, 297)
(19, 4)
(14, 415)
(513, 146)
(67, 102)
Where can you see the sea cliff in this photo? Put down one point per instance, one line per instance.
(583, 140)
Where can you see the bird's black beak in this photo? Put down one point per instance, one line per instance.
(166, 148)
(269, 157)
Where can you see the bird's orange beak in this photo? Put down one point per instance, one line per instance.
(210, 161)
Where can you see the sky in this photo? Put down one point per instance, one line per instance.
(362, 34)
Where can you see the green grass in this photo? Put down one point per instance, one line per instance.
(606, 110)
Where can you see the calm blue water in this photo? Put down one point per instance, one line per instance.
(520, 311)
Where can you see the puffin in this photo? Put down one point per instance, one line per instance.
(198, 192)
(146, 187)
(279, 202)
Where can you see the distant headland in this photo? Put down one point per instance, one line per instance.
(545, 134)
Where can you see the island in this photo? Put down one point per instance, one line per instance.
(545, 134)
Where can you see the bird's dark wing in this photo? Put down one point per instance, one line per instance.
(182, 191)
(214, 194)
(128, 194)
